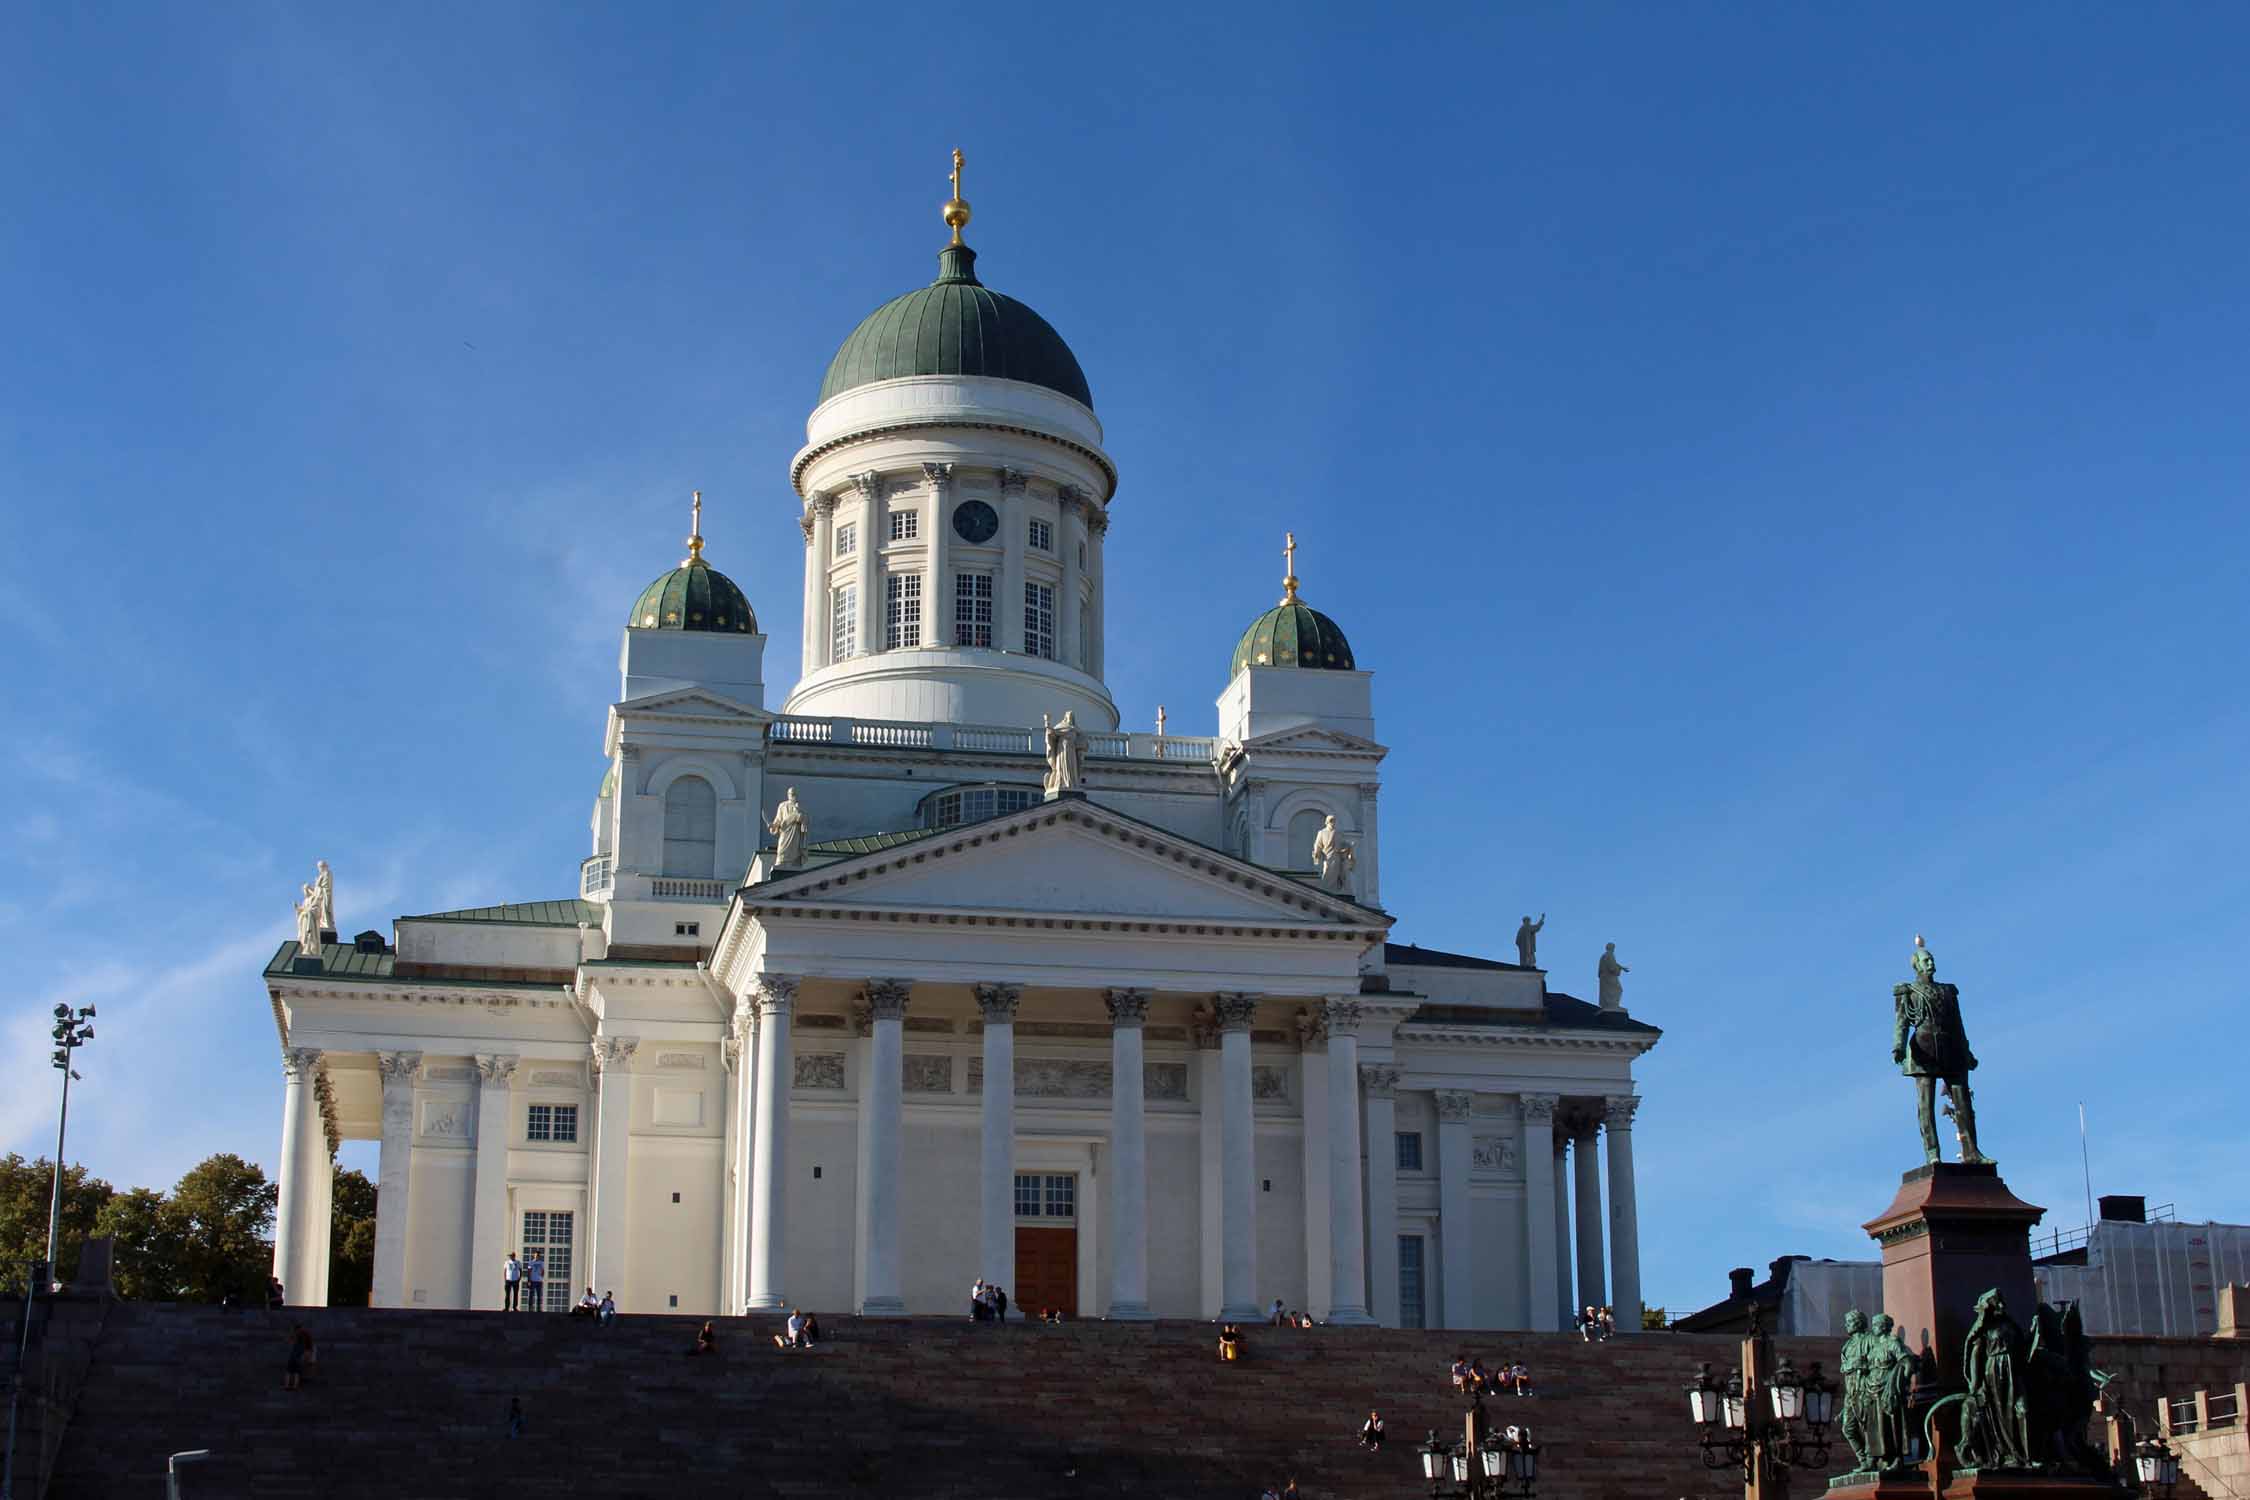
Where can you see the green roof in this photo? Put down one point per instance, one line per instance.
(339, 961)
(1293, 634)
(693, 596)
(522, 914)
(870, 843)
(956, 326)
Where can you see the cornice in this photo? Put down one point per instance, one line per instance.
(1522, 1036)
(808, 456)
(779, 754)
(955, 916)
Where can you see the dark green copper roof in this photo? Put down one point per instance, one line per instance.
(1293, 635)
(956, 326)
(693, 596)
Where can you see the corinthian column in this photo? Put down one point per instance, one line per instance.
(996, 1194)
(1586, 1202)
(937, 539)
(1238, 1162)
(769, 1162)
(1380, 1084)
(1347, 1232)
(304, 1156)
(885, 1082)
(488, 1223)
(1624, 1215)
(1538, 1151)
(1128, 1157)
(868, 564)
(613, 1143)
(394, 1193)
(1454, 1267)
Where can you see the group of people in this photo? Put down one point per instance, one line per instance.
(1595, 1323)
(1471, 1378)
(522, 1281)
(802, 1331)
(1284, 1317)
(1286, 1492)
(603, 1307)
(989, 1304)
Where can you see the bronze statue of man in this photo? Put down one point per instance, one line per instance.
(1929, 1045)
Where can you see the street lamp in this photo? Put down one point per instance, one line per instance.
(2158, 1467)
(1764, 1424)
(1487, 1464)
(73, 1029)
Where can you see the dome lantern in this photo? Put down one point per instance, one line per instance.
(694, 595)
(1292, 633)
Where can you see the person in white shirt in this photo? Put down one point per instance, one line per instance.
(979, 1308)
(794, 1338)
(608, 1312)
(511, 1279)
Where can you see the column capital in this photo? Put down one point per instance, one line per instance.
(823, 502)
(1537, 1109)
(1312, 1027)
(1617, 1112)
(1234, 1010)
(869, 484)
(744, 1020)
(1012, 481)
(997, 1003)
(399, 1068)
(1342, 1017)
(775, 993)
(886, 998)
(808, 526)
(614, 1052)
(1378, 1080)
(940, 476)
(1126, 1007)
(1454, 1104)
(300, 1064)
(1097, 520)
(497, 1069)
(1071, 499)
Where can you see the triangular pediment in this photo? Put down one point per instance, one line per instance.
(1070, 859)
(695, 703)
(1313, 737)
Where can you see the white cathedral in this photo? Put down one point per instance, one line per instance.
(1097, 1031)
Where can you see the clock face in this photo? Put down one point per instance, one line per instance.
(975, 521)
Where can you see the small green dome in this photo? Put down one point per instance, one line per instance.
(955, 326)
(693, 596)
(1293, 634)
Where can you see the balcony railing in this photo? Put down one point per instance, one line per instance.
(892, 734)
(673, 888)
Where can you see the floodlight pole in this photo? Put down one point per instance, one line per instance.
(54, 1203)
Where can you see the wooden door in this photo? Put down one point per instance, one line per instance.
(1046, 1271)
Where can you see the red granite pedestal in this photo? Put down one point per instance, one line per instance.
(1953, 1233)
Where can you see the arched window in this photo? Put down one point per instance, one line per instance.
(691, 828)
(1303, 829)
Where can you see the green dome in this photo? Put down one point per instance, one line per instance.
(693, 596)
(955, 326)
(1293, 634)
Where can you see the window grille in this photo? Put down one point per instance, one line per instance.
(902, 611)
(1410, 1313)
(1410, 1151)
(972, 609)
(906, 525)
(552, 1122)
(847, 539)
(843, 622)
(976, 803)
(550, 1234)
(1042, 535)
(1039, 620)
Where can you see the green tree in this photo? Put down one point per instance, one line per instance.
(351, 1271)
(151, 1263)
(222, 1210)
(25, 1189)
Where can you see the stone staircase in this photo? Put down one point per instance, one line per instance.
(412, 1406)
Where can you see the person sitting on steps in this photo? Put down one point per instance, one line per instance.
(607, 1312)
(1461, 1372)
(792, 1335)
(706, 1340)
(812, 1329)
(1371, 1432)
(1230, 1343)
(1520, 1378)
(587, 1306)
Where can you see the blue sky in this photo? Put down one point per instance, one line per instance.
(1784, 466)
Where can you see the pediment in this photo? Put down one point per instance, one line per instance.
(1069, 859)
(1315, 738)
(697, 703)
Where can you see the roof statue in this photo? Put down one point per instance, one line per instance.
(1527, 941)
(1608, 977)
(1333, 856)
(308, 923)
(1929, 1045)
(324, 894)
(789, 831)
(1065, 748)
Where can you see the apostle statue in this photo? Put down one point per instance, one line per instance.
(788, 830)
(1929, 1046)
(1333, 857)
(308, 923)
(1858, 1430)
(1066, 753)
(1609, 975)
(324, 893)
(1994, 1418)
(1527, 941)
(1889, 1368)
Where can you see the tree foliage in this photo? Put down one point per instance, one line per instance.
(351, 1266)
(26, 1188)
(205, 1240)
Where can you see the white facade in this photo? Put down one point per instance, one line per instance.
(1119, 1052)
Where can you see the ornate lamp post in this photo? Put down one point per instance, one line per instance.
(1765, 1419)
(2158, 1467)
(1487, 1464)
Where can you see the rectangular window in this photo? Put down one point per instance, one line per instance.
(1039, 620)
(1410, 1151)
(1046, 1195)
(1027, 1195)
(972, 609)
(843, 622)
(1410, 1313)
(1042, 535)
(550, 1235)
(906, 525)
(551, 1122)
(847, 539)
(902, 611)
(1085, 638)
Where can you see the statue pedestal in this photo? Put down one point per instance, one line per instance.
(1953, 1232)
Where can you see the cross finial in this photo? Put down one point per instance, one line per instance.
(695, 533)
(1289, 568)
(957, 207)
(1160, 721)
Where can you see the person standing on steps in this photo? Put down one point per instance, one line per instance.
(511, 1279)
(515, 1416)
(976, 1301)
(534, 1277)
(999, 1304)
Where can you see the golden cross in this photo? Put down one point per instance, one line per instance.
(695, 529)
(1289, 567)
(958, 161)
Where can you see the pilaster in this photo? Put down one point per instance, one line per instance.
(1454, 1265)
(1544, 1293)
(1238, 1160)
(1128, 1153)
(613, 1141)
(488, 1224)
(1347, 1230)
(1378, 1085)
(996, 1194)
